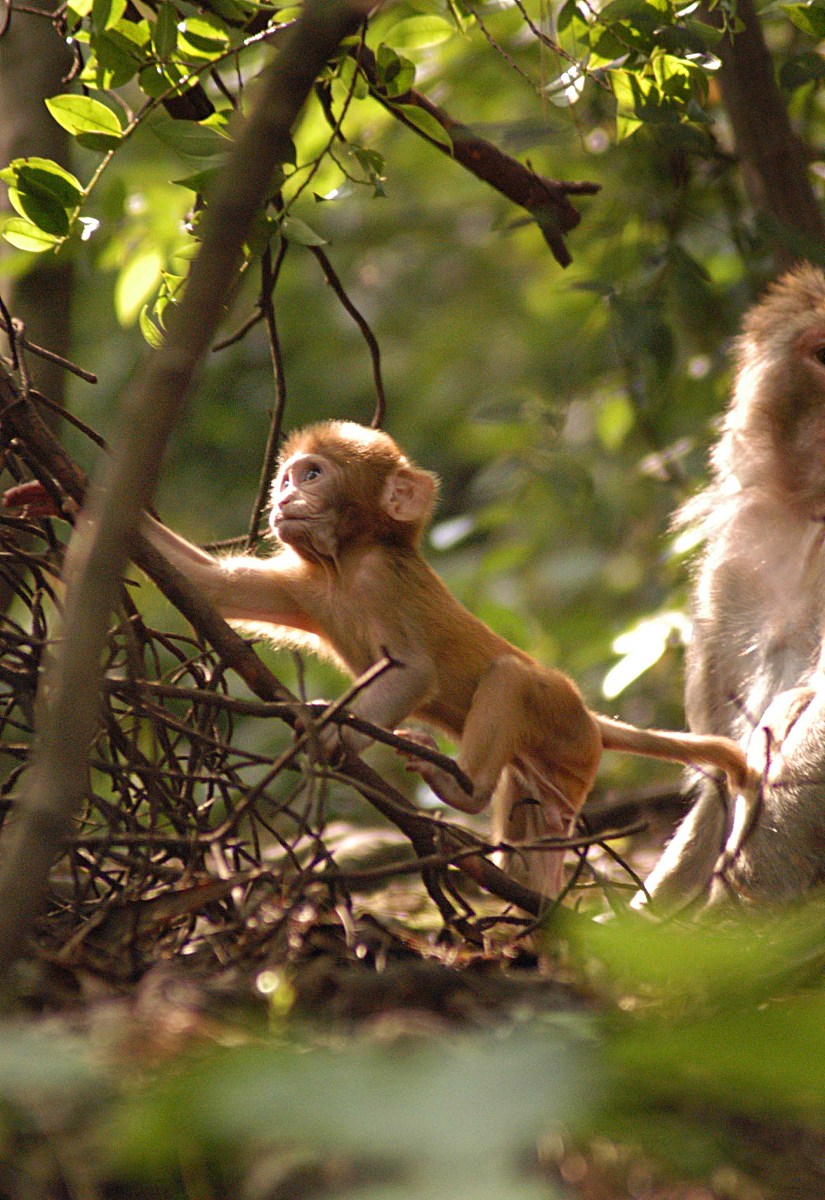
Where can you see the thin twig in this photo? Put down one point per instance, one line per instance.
(7, 325)
(270, 272)
(369, 337)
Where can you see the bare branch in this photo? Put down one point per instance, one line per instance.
(546, 200)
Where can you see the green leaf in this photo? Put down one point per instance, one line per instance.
(151, 333)
(190, 139)
(567, 14)
(137, 281)
(202, 37)
(25, 236)
(41, 173)
(91, 122)
(448, 1141)
(810, 18)
(623, 89)
(397, 74)
(106, 13)
(198, 182)
(638, 12)
(801, 70)
(682, 38)
(296, 230)
(121, 51)
(352, 78)
(160, 79)
(413, 33)
(165, 33)
(425, 123)
(673, 76)
(42, 209)
(233, 10)
(615, 417)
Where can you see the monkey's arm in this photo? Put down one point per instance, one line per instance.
(242, 588)
(393, 696)
(683, 873)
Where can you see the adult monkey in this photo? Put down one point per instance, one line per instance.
(348, 580)
(755, 663)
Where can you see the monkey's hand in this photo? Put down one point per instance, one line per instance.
(774, 740)
(436, 778)
(332, 743)
(32, 500)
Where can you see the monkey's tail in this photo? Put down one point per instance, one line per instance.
(688, 748)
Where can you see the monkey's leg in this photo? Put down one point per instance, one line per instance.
(489, 739)
(529, 737)
(520, 819)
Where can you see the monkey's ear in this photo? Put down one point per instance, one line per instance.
(409, 495)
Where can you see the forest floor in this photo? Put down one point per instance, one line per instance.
(108, 1010)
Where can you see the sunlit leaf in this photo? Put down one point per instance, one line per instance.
(624, 90)
(413, 33)
(84, 115)
(614, 420)
(425, 123)
(567, 88)
(152, 335)
(43, 174)
(165, 33)
(137, 281)
(106, 13)
(642, 646)
(202, 36)
(26, 236)
(296, 230)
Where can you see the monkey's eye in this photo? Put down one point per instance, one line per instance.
(311, 471)
(819, 355)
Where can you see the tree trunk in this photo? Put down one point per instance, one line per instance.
(772, 157)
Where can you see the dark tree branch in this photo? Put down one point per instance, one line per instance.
(546, 200)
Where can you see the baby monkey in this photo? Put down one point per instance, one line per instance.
(348, 581)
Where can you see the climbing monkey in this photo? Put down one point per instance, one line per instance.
(348, 581)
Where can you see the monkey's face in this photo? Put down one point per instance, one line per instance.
(777, 420)
(304, 497)
(798, 420)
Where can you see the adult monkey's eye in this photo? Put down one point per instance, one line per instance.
(819, 355)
